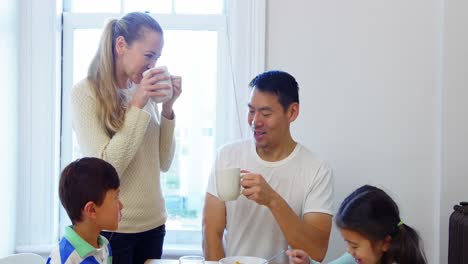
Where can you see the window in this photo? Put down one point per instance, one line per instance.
(228, 52)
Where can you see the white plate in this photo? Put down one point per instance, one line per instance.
(242, 260)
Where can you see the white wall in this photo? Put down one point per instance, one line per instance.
(454, 187)
(8, 120)
(370, 97)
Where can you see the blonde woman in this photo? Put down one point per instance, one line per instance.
(114, 120)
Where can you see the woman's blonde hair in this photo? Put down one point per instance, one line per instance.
(102, 72)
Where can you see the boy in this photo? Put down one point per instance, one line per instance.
(89, 192)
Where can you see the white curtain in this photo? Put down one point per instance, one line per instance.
(245, 28)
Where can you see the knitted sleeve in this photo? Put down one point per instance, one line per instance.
(91, 134)
(166, 143)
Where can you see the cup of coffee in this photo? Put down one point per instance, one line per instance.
(228, 183)
(167, 92)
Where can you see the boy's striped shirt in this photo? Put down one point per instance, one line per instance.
(73, 249)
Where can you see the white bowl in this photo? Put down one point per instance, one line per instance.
(242, 260)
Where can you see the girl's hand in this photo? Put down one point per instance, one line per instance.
(297, 256)
(176, 91)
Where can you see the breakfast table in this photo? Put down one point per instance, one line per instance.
(226, 260)
(171, 261)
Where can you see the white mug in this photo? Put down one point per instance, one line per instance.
(228, 183)
(167, 92)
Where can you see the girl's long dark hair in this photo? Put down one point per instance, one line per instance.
(372, 213)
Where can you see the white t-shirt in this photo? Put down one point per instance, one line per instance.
(303, 180)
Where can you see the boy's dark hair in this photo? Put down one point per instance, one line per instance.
(372, 213)
(280, 83)
(85, 180)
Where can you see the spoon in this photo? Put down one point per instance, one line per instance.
(275, 256)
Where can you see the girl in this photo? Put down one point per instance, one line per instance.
(369, 221)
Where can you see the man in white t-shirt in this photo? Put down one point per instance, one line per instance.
(287, 194)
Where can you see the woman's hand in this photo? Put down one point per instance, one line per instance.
(150, 86)
(167, 111)
(297, 256)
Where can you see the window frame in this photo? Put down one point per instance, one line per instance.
(174, 242)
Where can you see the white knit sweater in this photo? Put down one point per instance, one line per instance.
(142, 148)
